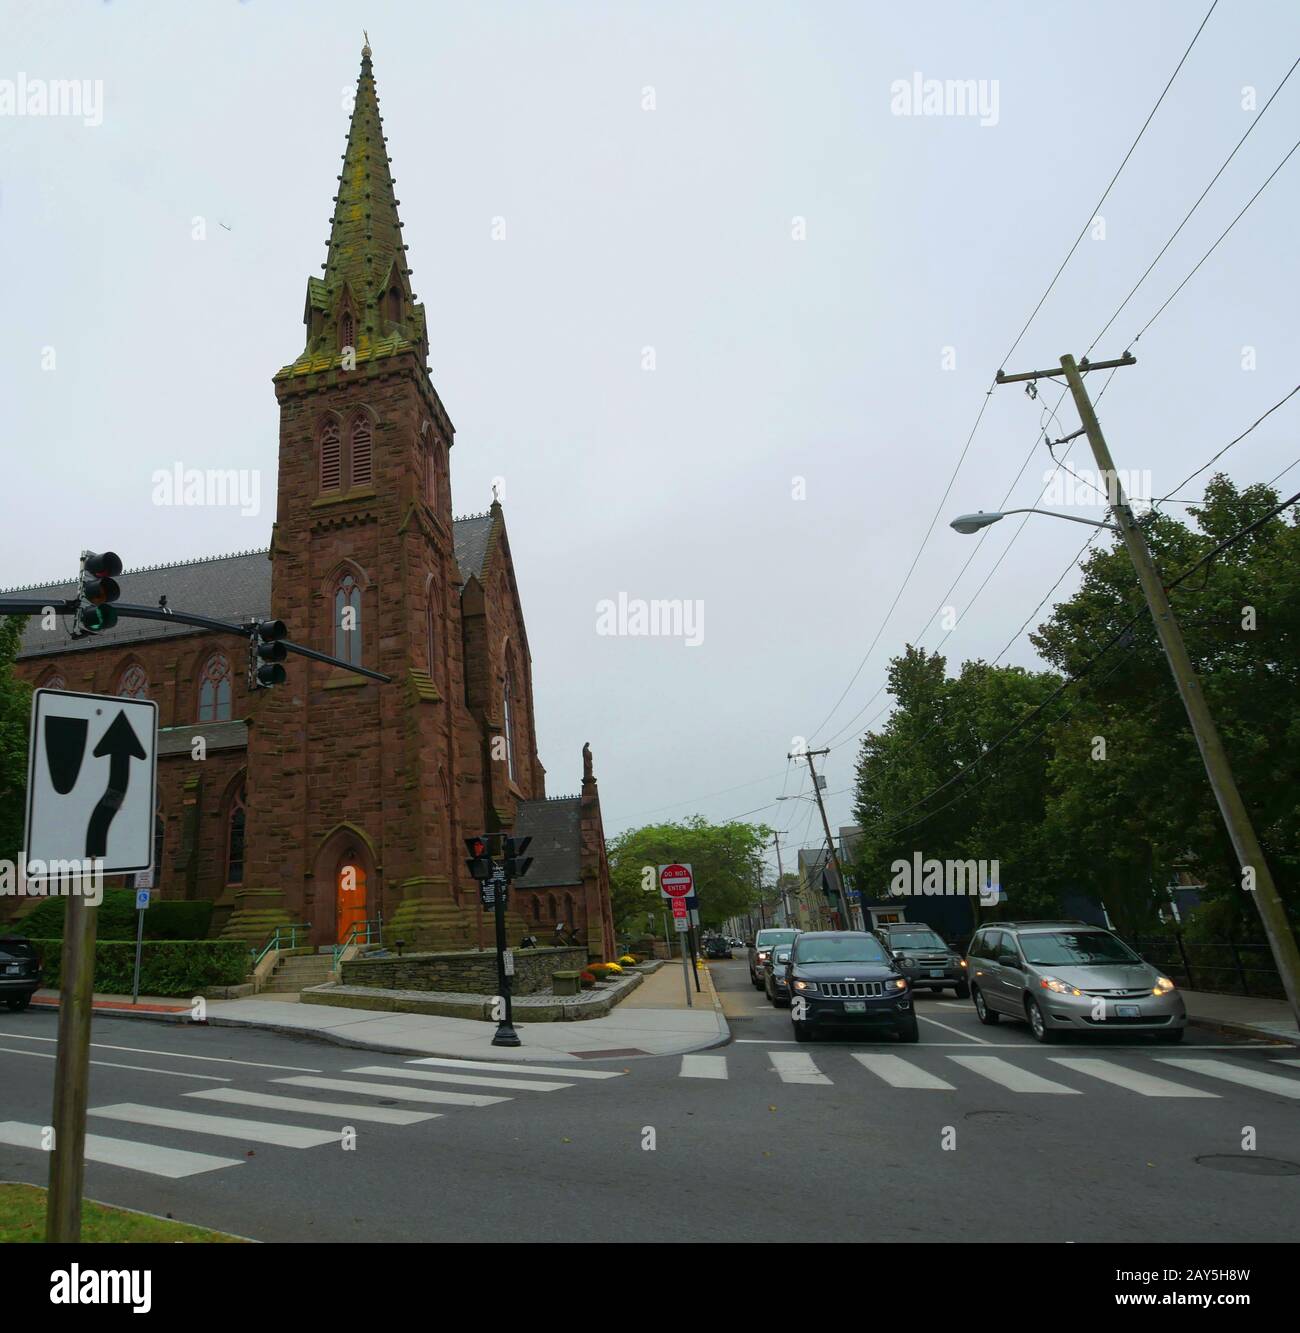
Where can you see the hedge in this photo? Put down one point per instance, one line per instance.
(167, 967)
(164, 920)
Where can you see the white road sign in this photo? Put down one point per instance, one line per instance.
(91, 781)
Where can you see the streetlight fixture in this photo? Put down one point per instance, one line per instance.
(968, 523)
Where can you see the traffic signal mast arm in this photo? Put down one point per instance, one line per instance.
(69, 606)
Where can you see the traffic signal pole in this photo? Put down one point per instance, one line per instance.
(1250, 854)
(505, 1034)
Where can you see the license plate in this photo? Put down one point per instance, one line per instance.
(855, 1007)
(1127, 1011)
(936, 971)
(12, 971)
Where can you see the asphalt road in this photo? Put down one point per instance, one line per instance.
(974, 1134)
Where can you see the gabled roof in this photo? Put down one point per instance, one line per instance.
(226, 587)
(555, 826)
(472, 536)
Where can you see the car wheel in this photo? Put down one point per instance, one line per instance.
(19, 1003)
(910, 1030)
(962, 992)
(1038, 1021)
(982, 1011)
(1171, 1038)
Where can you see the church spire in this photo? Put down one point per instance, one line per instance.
(363, 300)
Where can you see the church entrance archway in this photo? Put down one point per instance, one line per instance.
(343, 887)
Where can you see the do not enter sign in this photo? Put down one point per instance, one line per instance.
(676, 881)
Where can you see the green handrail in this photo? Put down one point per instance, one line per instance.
(372, 930)
(278, 940)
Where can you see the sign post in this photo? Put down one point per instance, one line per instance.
(91, 781)
(494, 896)
(676, 884)
(141, 903)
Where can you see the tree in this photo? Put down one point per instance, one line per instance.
(15, 721)
(726, 859)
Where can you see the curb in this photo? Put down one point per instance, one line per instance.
(150, 1012)
(1231, 1029)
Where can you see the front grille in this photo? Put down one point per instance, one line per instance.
(1120, 994)
(851, 990)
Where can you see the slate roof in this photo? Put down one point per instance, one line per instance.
(555, 826)
(471, 535)
(226, 587)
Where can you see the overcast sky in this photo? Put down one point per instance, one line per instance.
(827, 287)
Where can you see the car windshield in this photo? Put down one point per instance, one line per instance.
(767, 938)
(915, 939)
(854, 949)
(1081, 947)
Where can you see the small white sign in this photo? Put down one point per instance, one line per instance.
(91, 780)
(510, 962)
(681, 923)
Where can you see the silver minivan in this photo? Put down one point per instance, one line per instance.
(1067, 976)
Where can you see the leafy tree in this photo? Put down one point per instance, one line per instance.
(15, 718)
(726, 859)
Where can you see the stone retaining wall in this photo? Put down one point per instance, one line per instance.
(471, 973)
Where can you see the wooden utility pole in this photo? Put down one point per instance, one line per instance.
(849, 915)
(1255, 872)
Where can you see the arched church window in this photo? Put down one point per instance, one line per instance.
(134, 683)
(347, 620)
(214, 689)
(509, 723)
(331, 459)
(362, 468)
(347, 331)
(235, 829)
(54, 681)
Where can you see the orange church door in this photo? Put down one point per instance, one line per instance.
(351, 899)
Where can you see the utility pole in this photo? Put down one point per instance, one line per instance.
(1250, 854)
(780, 875)
(850, 916)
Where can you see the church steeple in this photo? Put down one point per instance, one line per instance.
(363, 301)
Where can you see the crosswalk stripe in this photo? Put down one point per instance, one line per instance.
(1249, 1078)
(379, 1115)
(430, 1076)
(395, 1092)
(147, 1157)
(1146, 1085)
(998, 1070)
(796, 1067)
(704, 1066)
(517, 1067)
(899, 1073)
(1287, 1061)
(251, 1131)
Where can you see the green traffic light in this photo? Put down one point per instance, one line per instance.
(96, 618)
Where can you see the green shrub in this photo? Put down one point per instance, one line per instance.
(167, 967)
(163, 920)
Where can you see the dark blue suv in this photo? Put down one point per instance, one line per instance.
(844, 978)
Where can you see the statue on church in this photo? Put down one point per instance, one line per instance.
(586, 761)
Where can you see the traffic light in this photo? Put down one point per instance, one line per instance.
(266, 652)
(479, 863)
(99, 571)
(516, 862)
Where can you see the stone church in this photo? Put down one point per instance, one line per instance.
(332, 800)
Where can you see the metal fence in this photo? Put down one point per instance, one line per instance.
(1227, 969)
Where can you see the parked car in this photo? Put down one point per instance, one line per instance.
(923, 958)
(845, 978)
(761, 948)
(20, 972)
(1067, 976)
(716, 947)
(737, 944)
(775, 985)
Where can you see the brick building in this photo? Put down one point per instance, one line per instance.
(332, 799)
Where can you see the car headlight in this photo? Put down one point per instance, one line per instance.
(1060, 987)
(961, 962)
(896, 983)
(762, 957)
(805, 985)
(1163, 986)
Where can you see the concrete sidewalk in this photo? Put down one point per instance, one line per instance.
(654, 1020)
(1242, 1015)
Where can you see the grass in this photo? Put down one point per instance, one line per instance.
(22, 1218)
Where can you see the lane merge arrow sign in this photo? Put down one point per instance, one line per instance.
(91, 782)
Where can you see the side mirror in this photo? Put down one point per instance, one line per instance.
(1009, 960)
